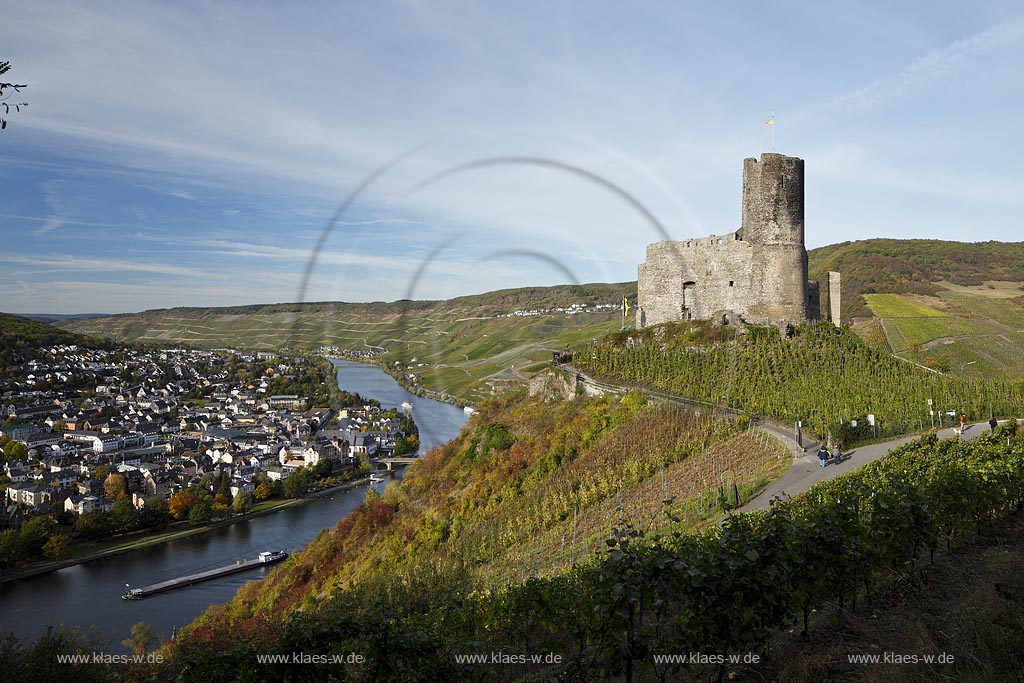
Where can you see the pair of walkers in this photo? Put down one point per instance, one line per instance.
(823, 455)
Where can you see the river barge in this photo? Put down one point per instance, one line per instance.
(266, 557)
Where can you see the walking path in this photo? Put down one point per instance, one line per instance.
(806, 471)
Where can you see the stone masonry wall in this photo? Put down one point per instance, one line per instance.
(758, 273)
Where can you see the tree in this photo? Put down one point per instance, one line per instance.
(201, 511)
(296, 484)
(155, 513)
(262, 491)
(57, 546)
(322, 469)
(116, 486)
(94, 524)
(243, 502)
(67, 518)
(142, 639)
(6, 90)
(181, 504)
(35, 532)
(15, 450)
(224, 486)
(101, 472)
(125, 516)
(10, 548)
(407, 445)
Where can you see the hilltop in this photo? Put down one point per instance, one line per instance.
(18, 333)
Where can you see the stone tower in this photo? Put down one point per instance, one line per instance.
(773, 224)
(834, 296)
(757, 274)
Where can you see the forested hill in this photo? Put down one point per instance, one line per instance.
(18, 333)
(914, 267)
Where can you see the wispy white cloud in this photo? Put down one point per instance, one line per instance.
(932, 67)
(264, 120)
(83, 264)
(57, 217)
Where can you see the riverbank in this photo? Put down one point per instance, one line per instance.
(147, 540)
(413, 389)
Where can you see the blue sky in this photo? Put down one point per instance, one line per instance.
(186, 153)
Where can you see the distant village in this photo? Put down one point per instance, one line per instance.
(172, 421)
(573, 309)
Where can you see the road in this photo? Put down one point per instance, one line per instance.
(805, 471)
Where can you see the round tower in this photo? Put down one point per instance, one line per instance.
(773, 200)
(773, 225)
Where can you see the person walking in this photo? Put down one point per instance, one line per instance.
(992, 424)
(837, 453)
(822, 455)
(963, 422)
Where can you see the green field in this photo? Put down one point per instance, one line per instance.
(896, 306)
(964, 332)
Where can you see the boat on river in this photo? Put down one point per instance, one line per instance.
(263, 559)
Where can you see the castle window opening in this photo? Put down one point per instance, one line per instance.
(730, 283)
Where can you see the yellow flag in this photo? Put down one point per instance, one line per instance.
(625, 306)
(770, 122)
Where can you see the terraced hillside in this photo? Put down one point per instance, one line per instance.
(976, 332)
(464, 347)
(951, 306)
(530, 488)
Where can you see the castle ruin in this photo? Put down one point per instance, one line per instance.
(757, 274)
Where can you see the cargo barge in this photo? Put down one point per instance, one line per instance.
(266, 557)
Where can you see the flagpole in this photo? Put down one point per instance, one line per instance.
(773, 130)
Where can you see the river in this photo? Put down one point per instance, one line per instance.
(89, 595)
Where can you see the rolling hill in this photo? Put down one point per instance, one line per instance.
(467, 347)
(462, 347)
(951, 306)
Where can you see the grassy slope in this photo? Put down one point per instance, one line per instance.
(508, 501)
(975, 333)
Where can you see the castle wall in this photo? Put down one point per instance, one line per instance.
(697, 279)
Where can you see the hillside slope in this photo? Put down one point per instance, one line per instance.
(463, 347)
(18, 333)
(926, 267)
(528, 489)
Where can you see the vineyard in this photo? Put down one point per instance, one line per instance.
(529, 489)
(823, 376)
(718, 592)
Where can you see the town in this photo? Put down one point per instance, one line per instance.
(99, 441)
